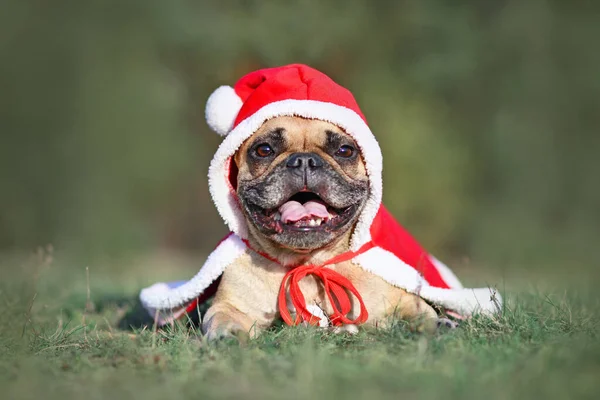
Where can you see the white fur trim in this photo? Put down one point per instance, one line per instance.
(343, 117)
(165, 316)
(446, 273)
(222, 108)
(164, 296)
(396, 272)
(466, 302)
(391, 269)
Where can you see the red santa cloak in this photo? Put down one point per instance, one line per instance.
(388, 250)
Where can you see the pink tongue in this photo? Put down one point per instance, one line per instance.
(293, 211)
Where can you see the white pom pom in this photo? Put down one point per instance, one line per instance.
(222, 108)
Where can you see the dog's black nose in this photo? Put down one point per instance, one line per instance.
(304, 161)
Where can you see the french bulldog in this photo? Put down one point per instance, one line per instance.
(302, 185)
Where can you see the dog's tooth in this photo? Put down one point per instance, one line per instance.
(318, 221)
(312, 222)
(277, 216)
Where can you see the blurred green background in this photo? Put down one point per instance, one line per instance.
(487, 113)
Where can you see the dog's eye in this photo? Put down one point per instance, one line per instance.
(345, 151)
(263, 150)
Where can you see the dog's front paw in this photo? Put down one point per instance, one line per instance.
(220, 327)
(225, 333)
(445, 324)
(349, 329)
(223, 321)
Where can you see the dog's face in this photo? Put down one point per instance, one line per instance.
(302, 183)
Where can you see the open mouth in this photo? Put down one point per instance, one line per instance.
(305, 212)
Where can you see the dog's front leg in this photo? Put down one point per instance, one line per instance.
(418, 313)
(245, 301)
(421, 315)
(223, 320)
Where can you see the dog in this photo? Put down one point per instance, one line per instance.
(298, 180)
(292, 159)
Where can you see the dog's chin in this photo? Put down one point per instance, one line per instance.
(308, 233)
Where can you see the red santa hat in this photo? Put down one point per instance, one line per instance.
(389, 251)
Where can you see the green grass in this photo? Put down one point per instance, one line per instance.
(54, 343)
